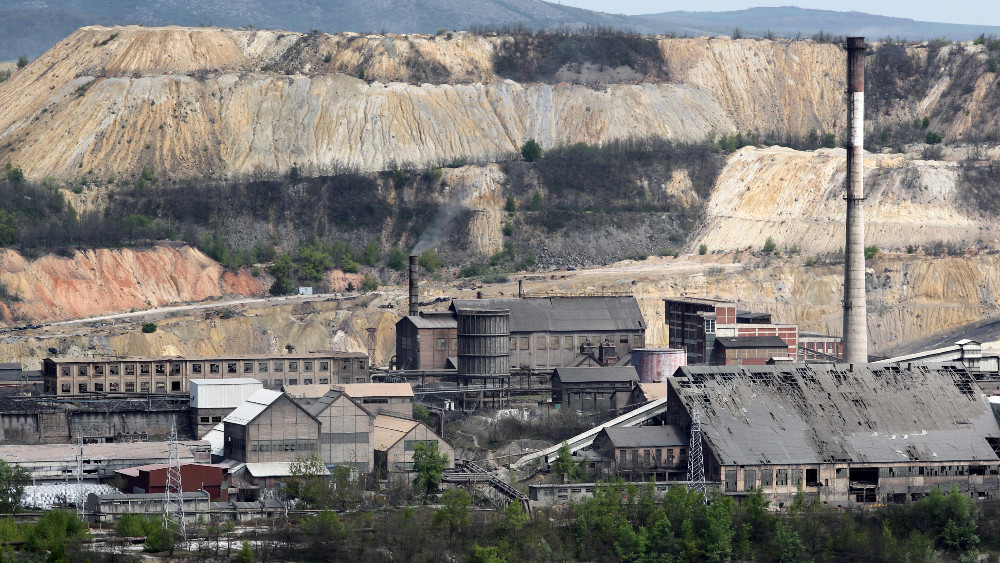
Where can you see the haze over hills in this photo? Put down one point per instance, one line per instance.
(29, 28)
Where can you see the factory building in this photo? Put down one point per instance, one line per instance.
(850, 435)
(640, 453)
(749, 351)
(346, 430)
(269, 427)
(548, 332)
(594, 389)
(58, 462)
(426, 341)
(172, 374)
(152, 479)
(394, 440)
(213, 399)
(395, 399)
(694, 324)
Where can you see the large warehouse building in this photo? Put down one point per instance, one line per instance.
(847, 435)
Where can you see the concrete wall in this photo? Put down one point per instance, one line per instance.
(283, 432)
(542, 350)
(346, 435)
(62, 426)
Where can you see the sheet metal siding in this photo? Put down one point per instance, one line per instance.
(484, 343)
(565, 314)
(222, 396)
(655, 365)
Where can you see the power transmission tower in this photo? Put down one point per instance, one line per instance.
(696, 463)
(173, 501)
(79, 474)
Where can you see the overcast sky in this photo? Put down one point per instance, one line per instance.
(981, 12)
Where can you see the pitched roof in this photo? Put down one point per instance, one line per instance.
(313, 391)
(597, 374)
(646, 436)
(377, 389)
(751, 342)
(433, 321)
(331, 396)
(389, 430)
(564, 314)
(653, 391)
(253, 406)
(823, 413)
(12, 453)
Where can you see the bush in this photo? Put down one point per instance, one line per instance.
(703, 249)
(472, 270)
(668, 252)
(932, 138)
(396, 260)
(23, 61)
(830, 141)
(510, 205)
(370, 283)
(531, 150)
(870, 252)
(430, 261)
(148, 328)
(769, 245)
(910, 249)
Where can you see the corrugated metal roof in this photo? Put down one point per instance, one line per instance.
(275, 469)
(752, 342)
(253, 406)
(823, 413)
(646, 436)
(436, 321)
(114, 451)
(357, 390)
(217, 438)
(11, 366)
(222, 393)
(565, 314)
(596, 374)
(321, 404)
(653, 391)
(389, 430)
(313, 391)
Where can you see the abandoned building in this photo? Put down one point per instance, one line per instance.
(346, 430)
(269, 427)
(171, 374)
(748, 350)
(382, 398)
(149, 479)
(846, 434)
(58, 462)
(394, 441)
(213, 399)
(594, 389)
(695, 323)
(640, 453)
(426, 341)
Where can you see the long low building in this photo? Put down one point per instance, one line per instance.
(848, 435)
(171, 374)
(58, 462)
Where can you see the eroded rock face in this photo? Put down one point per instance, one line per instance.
(103, 281)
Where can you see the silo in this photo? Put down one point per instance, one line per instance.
(655, 365)
(483, 342)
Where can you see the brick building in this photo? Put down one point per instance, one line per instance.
(426, 341)
(595, 389)
(642, 452)
(748, 350)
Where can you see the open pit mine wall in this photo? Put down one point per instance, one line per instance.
(208, 102)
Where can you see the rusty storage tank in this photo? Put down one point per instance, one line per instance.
(483, 342)
(655, 365)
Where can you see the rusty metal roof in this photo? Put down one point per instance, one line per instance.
(751, 342)
(564, 314)
(646, 436)
(830, 413)
(597, 374)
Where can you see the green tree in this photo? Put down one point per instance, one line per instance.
(703, 249)
(312, 261)
(308, 482)
(769, 245)
(14, 174)
(830, 141)
(429, 464)
(8, 228)
(453, 516)
(327, 536)
(13, 479)
(369, 283)
(932, 138)
(871, 252)
(421, 413)
(371, 255)
(563, 465)
(531, 150)
(510, 205)
(245, 554)
(396, 260)
(282, 269)
(430, 260)
(23, 61)
(149, 328)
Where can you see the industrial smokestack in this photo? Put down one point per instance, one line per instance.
(414, 311)
(855, 308)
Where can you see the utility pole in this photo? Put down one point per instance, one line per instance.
(696, 462)
(173, 496)
(80, 498)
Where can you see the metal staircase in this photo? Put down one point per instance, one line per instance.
(499, 492)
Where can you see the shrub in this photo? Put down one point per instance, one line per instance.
(870, 252)
(910, 249)
(932, 138)
(531, 150)
(830, 141)
(396, 260)
(472, 270)
(148, 328)
(327, 58)
(23, 61)
(510, 205)
(769, 245)
(370, 283)
(667, 251)
(508, 229)
(430, 261)
(703, 249)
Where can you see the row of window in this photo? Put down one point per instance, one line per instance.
(116, 387)
(283, 445)
(214, 367)
(551, 342)
(649, 456)
(345, 437)
(205, 419)
(408, 445)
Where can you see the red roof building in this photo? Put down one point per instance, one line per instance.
(151, 479)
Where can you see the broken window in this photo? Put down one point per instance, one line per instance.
(765, 478)
(144, 387)
(247, 367)
(230, 367)
(213, 368)
(161, 369)
(324, 366)
(161, 387)
(216, 419)
(82, 387)
(67, 387)
(293, 366)
(781, 477)
(293, 381)
(99, 387)
(175, 368)
(307, 366)
(64, 371)
(307, 382)
(324, 381)
(113, 386)
(204, 420)
(129, 369)
(730, 479)
(277, 383)
(175, 385)
(796, 477)
(98, 370)
(196, 368)
(361, 364)
(749, 479)
(812, 477)
(82, 370)
(144, 369)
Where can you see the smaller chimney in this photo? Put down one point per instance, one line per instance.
(414, 304)
(520, 289)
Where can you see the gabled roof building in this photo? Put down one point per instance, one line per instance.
(269, 426)
(848, 435)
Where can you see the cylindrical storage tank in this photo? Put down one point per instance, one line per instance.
(655, 365)
(483, 342)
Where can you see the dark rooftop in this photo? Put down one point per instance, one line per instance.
(597, 374)
(564, 314)
(826, 413)
(646, 436)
